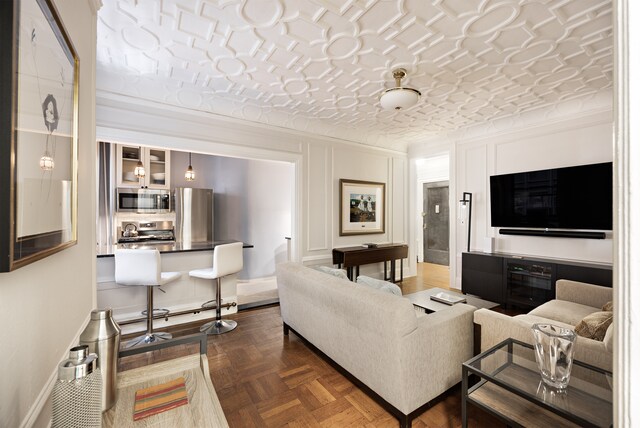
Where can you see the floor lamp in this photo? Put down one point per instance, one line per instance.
(464, 203)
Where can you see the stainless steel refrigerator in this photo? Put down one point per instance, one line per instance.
(194, 214)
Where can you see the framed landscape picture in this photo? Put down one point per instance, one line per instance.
(362, 207)
(38, 124)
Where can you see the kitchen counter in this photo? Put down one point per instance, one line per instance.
(164, 247)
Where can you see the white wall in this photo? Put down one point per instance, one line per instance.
(576, 144)
(325, 164)
(45, 305)
(202, 165)
(432, 168)
(264, 191)
(581, 140)
(320, 162)
(252, 203)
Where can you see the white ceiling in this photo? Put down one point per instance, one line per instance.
(320, 66)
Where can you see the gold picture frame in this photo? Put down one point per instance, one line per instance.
(362, 207)
(39, 129)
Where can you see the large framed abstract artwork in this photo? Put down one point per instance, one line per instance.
(38, 134)
(362, 207)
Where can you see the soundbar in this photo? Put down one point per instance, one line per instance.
(553, 233)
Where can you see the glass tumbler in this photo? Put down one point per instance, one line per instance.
(554, 347)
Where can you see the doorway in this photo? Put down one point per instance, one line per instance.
(435, 222)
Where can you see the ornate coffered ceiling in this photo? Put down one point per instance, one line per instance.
(320, 66)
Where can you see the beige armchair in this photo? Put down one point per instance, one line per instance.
(574, 301)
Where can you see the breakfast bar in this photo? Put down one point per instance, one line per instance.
(185, 295)
(165, 247)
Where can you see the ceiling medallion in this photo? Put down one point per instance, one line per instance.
(399, 98)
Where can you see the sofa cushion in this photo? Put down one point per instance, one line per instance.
(530, 320)
(583, 293)
(378, 284)
(563, 311)
(607, 307)
(594, 326)
(339, 273)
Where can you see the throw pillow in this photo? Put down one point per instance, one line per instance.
(608, 307)
(340, 273)
(595, 325)
(378, 284)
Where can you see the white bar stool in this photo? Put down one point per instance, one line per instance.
(227, 260)
(142, 267)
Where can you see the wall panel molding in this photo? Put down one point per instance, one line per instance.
(318, 198)
(318, 258)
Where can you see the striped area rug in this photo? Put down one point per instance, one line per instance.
(160, 398)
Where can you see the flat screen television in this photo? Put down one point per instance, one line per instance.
(575, 197)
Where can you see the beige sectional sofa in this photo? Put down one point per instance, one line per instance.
(574, 301)
(402, 358)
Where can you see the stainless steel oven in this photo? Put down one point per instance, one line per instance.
(143, 201)
(148, 232)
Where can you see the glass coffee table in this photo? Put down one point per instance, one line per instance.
(422, 299)
(510, 388)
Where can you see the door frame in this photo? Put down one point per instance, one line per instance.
(448, 149)
(626, 232)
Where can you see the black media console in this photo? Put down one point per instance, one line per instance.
(524, 281)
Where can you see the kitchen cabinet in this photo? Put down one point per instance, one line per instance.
(156, 162)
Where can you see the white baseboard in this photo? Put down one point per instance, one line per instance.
(322, 257)
(140, 327)
(33, 414)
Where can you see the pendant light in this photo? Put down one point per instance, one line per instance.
(139, 170)
(399, 98)
(190, 175)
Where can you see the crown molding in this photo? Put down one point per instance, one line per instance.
(95, 5)
(213, 121)
(596, 109)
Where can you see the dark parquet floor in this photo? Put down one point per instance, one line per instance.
(266, 379)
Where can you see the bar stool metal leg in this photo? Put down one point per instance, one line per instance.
(218, 326)
(149, 336)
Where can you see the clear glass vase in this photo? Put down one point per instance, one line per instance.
(554, 348)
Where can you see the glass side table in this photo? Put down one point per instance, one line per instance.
(510, 388)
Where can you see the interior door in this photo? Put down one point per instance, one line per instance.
(436, 222)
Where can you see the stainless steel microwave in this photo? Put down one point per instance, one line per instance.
(143, 201)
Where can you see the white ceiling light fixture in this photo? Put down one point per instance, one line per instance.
(399, 98)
